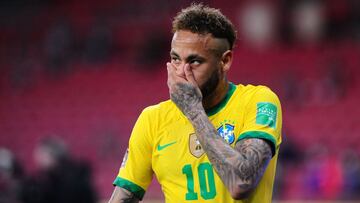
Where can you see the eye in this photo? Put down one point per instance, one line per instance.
(196, 62)
(175, 60)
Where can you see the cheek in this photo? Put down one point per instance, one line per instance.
(203, 74)
(200, 75)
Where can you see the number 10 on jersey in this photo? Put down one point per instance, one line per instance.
(206, 181)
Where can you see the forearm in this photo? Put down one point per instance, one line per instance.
(223, 157)
(240, 170)
(121, 195)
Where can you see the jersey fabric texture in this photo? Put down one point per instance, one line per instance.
(163, 143)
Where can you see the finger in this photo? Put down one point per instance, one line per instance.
(189, 75)
(170, 72)
(169, 67)
(173, 73)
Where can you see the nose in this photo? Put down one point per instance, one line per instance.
(180, 69)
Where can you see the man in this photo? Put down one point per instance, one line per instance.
(213, 141)
(60, 177)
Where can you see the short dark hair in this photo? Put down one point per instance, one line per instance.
(202, 19)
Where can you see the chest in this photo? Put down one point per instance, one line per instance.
(176, 148)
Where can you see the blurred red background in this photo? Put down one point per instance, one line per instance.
(83, 71)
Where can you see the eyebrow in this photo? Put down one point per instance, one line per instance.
(188, 58)
(173, 53)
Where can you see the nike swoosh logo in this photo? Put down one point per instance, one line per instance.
(161, 147)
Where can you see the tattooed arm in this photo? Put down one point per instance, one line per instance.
(121, 195)
(241, 168)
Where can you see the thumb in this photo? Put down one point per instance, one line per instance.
(190, 75)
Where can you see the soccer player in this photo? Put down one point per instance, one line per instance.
(213, 141)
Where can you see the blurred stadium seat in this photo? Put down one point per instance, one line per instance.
(93, 106)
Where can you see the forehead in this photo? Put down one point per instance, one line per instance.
(188, 41)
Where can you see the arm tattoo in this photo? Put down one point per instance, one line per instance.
(121, 195)
(188, 99)
(241, 168)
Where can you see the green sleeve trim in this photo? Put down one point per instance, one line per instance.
(138, 191)
(261, 135)
(223, 102)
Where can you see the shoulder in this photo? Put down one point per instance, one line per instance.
(255, 92)
(162, 107)
(163, 111)
(253, 89)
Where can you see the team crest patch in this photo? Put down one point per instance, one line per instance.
(266, 114)
(195, 146)
(226, 131)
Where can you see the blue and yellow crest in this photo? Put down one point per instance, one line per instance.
(226, 131)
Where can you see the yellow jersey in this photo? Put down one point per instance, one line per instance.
(163, 143)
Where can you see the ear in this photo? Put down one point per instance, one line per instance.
(226, 60)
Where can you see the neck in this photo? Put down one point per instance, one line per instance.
(216, 96)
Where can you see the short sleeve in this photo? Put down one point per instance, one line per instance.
(263, 118)
(136, 173)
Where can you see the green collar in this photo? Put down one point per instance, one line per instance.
(223, 102)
